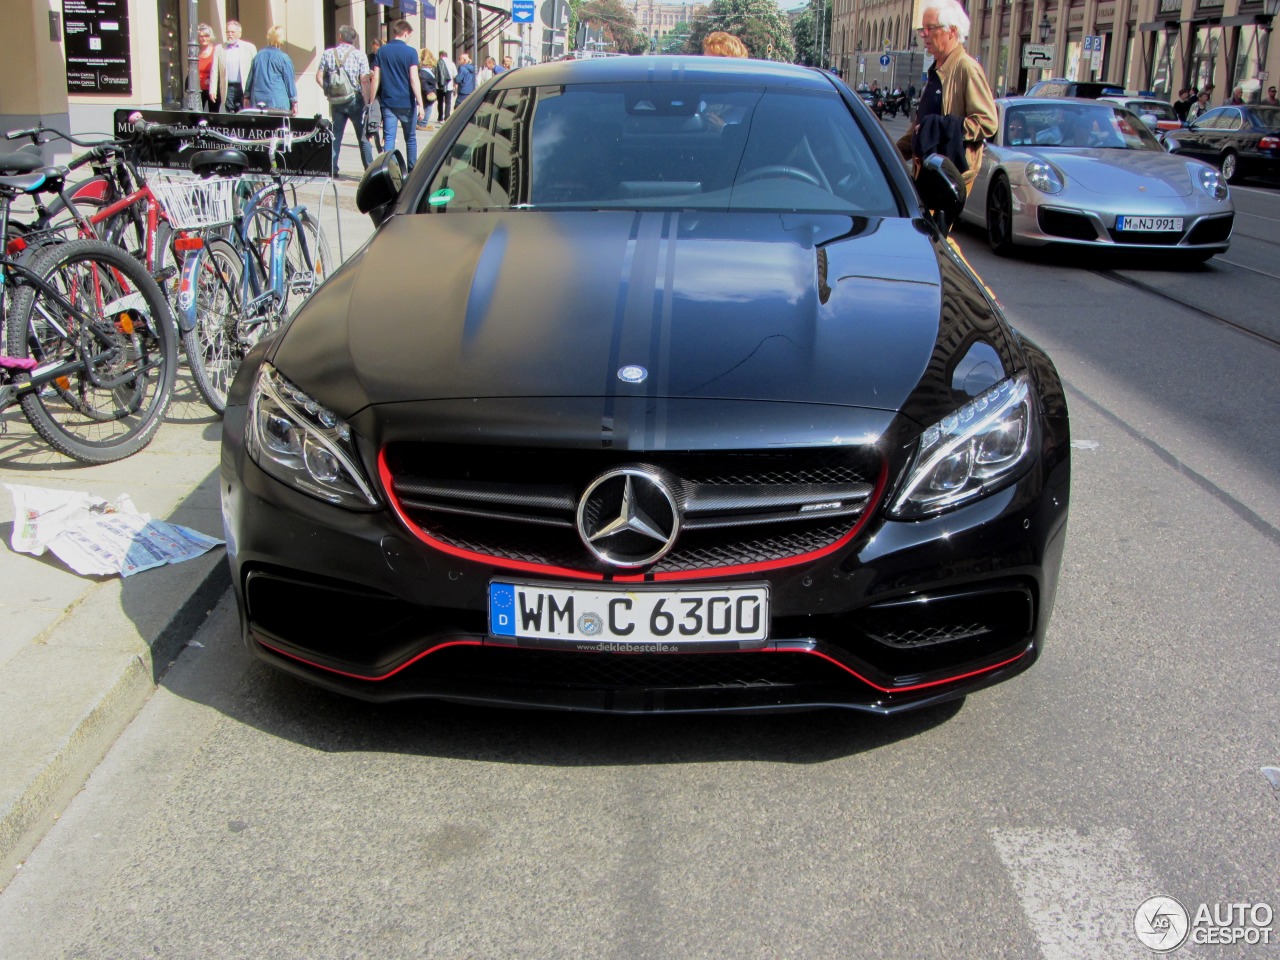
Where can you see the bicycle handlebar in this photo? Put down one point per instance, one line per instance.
(40, 134)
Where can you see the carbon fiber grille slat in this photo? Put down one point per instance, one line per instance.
(464, 497)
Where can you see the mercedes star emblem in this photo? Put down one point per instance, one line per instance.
(628, 517)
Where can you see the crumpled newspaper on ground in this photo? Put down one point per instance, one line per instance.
(96, 538)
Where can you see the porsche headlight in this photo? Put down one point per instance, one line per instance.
(983, 446)
(301, 443)
(1209, 180)
(1044, 177)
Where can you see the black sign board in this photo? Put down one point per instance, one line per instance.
(95, 36)
(310, 159)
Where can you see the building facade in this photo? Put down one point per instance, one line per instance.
(73, 70)
(1146, 45)
(656, 20)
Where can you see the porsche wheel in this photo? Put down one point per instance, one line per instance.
(1000, 217)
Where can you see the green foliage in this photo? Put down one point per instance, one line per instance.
(811, 33)
(617, 22)
(675, 39)
(760, 24)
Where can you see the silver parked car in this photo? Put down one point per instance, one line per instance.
(1090, 173)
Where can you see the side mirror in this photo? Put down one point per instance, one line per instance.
(942, 190)
(380, 186)
(1170, 144)
(1151, 120)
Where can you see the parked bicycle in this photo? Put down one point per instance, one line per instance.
(237, 287)
(90, 349)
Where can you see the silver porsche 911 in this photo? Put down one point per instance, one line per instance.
(1089, 173)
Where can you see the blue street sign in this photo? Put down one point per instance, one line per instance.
(885, 60)
(522, 11)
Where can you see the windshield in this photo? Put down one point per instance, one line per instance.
(1269, 117)
(1077, 125)
(661, 145)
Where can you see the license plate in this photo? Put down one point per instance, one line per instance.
(1149, 224)
(652, 617)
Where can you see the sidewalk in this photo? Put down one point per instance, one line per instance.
(79, 656)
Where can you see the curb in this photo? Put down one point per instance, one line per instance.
(111, 663)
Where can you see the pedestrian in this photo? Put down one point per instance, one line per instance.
(466, 79)
(427, 80)
(204, 37)
(1271, 100)
(1200, 107)
(505, 66)
(1182, 106)
(721, 44)
(446, 73)
(485, 73)
(399, 91)
(956, 88)
(1237, 97)
(271, 83)
(345, 65)
(231, 62)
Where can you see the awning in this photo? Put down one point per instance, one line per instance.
(492, 19)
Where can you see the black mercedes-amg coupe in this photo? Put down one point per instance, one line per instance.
(659, 387)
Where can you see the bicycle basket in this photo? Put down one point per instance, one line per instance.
(197, 203)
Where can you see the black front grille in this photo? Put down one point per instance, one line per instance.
(1160, 238)
(737, 508)
(1211, 230)
(1071, 226)
(596, 671)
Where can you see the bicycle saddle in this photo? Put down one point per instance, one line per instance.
(224, 163)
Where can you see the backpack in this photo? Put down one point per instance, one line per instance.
(337, 85)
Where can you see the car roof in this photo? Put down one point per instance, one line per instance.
(1048, 101)
(669, 69)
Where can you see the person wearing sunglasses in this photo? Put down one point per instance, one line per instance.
(956, 88)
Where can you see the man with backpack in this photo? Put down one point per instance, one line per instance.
(344, 76)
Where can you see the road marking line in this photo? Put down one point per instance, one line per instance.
(1079, 893)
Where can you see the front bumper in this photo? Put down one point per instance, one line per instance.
(905, 615)
(1039, 220)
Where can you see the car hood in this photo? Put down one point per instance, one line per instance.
(1124, 173)
(773, 307)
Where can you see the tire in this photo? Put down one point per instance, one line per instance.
(1230, 164)
(1000, 217)
(82, 419)
(213, 346)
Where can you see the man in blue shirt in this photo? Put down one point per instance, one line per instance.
(466, 76)
(395, 81)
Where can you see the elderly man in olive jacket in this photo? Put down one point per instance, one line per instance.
(956, 87)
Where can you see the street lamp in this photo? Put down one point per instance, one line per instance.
(1044, 26)
(911, 57)
(191, 100)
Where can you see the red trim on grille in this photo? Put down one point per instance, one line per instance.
(915, 686)
(542, 569)
(361, 676)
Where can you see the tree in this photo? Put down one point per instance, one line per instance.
(675, 39)
(811, 33)
(617, 23)
(760, 24)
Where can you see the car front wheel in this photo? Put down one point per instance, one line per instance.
(1230, 167)
(1000, 217)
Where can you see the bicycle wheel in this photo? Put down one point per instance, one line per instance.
(213, 346)
(115, 332)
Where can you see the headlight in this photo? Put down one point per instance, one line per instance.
(303, 444)
(1209, 180)
(1044, 177)
(981, 447)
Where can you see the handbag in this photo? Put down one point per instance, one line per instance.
(431, 96)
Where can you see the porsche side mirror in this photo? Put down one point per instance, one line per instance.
(1170, 144)
(380, 186)
(942, 189)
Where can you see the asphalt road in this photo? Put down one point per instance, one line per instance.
(244, 814)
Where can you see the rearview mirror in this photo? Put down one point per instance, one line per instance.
(380, 186)
(941, 189)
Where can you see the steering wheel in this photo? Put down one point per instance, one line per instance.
(780, 170)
